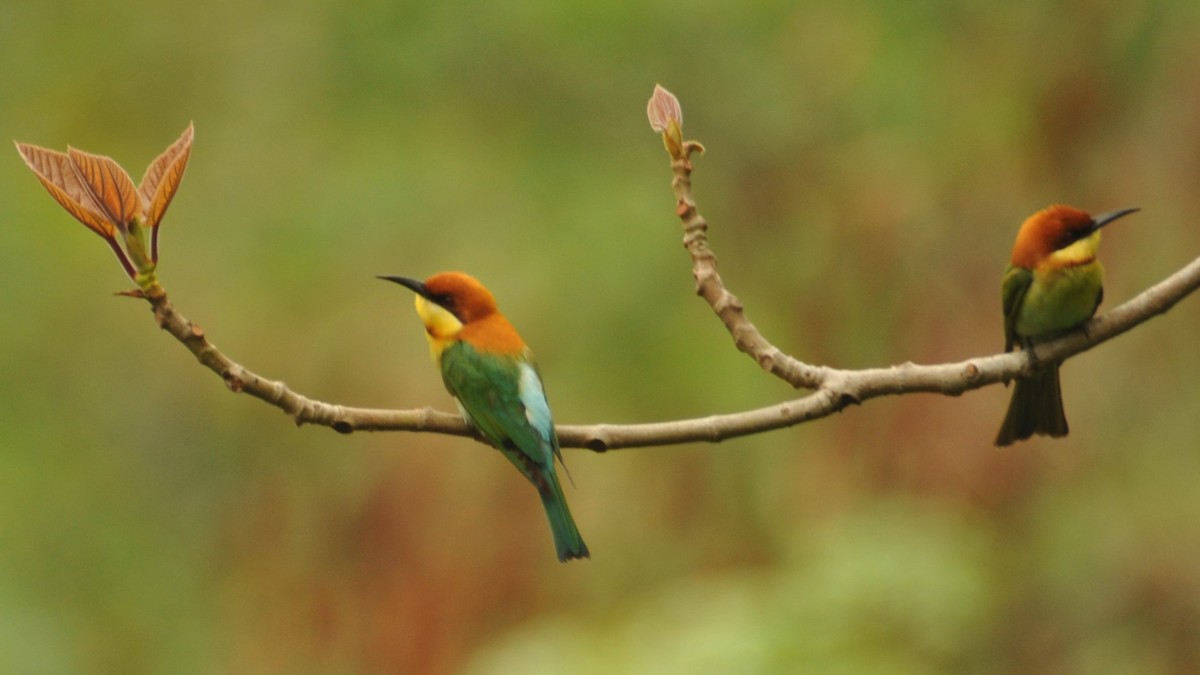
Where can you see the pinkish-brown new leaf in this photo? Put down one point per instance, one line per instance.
(662, 109)
(55, 171)
(108, 185)
(163, 175)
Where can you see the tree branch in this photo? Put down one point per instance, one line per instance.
(747, 338)
(302, 409)
(96, 191)
(832, 389)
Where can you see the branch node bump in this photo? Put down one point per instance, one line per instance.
(233, 382)
(766, 359)
(300, 411)
(970, 373)
(728, 302)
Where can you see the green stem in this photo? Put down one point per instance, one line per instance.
(135, 244)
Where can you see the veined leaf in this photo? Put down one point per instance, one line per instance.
(163, 175)
(662, 109)
(110, 188)
(56, 173)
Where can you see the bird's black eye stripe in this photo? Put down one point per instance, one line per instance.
(1075, 234)
(446, 301)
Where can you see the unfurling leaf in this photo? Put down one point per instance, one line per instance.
(97, 192)
(163, 175)
(108, 185)
(58, 175)
(662, 108)
(161, 180)
(666, 117)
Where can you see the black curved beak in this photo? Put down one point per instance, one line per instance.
(411, 284)
(1106, 218)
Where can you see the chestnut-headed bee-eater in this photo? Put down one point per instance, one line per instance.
(1053, 284)
(490, 372)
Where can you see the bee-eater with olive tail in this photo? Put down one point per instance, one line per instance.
(490, 372)
(1053, 284)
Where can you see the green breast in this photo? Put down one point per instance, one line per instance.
(1060, 300)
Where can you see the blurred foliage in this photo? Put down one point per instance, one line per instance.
(869, 163)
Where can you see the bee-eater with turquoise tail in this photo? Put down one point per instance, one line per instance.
(1053, 284)
(490, 372)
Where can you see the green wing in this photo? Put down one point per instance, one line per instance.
(502, 397)
(1017, 281)
(488, 387)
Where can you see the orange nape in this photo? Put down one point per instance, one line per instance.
(1055, 228)
(489, 371)
(454, 306)
(1053, 284)
(1047, 231)
(474, 305)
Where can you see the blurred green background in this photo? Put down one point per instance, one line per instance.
(869, 162)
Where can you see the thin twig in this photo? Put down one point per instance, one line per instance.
(728, 307)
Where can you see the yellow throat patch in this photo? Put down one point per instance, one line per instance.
(1078, 253)
(441, 327)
